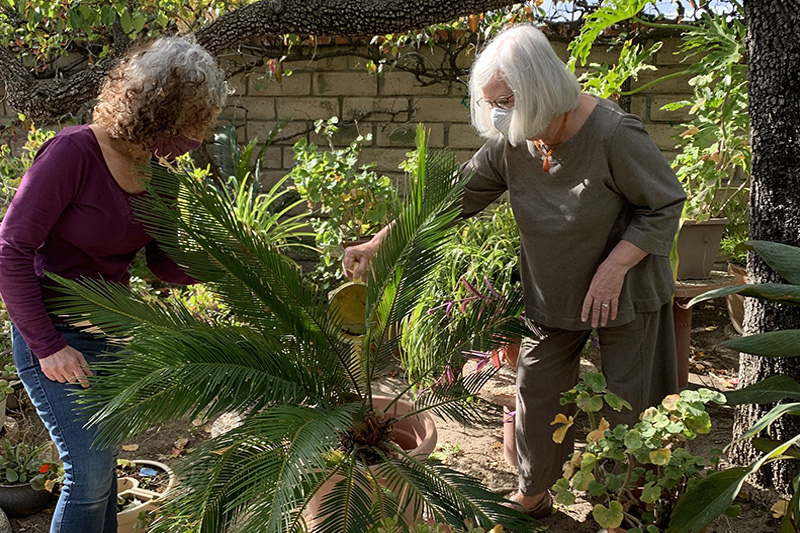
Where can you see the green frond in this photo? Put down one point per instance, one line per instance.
(450, 496)
(347, 508)
(458, 401)
(203, 371)
(115, 309)
(260, 475)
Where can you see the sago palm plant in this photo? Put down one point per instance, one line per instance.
(280, 358)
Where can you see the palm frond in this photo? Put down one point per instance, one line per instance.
(347, 508)
(260, 475)
(450, 496)
(201, 372)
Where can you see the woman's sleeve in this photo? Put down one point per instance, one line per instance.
(487, 183)
(645, 179)
(47, 188)
(164, 268)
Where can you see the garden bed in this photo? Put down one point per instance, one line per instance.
(480, 453)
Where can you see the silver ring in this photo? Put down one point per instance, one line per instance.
(604, 304)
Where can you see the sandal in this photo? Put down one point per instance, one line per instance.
(542, 510)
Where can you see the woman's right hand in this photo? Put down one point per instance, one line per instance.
(357, 258)
(66, 366)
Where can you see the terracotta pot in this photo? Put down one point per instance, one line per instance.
(510, 437)
(698, 247)
(20, 499)
(416, 435)
(129, 487)
(736, 301)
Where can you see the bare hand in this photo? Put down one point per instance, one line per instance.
(66, 366)
(357, 258)
(602, 299)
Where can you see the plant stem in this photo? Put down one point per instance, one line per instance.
(655, 81)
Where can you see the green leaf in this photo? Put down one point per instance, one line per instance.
(589, 403)
(776, 292)
(12, 476)
(596, 381)
(608, 517)
(782, 258)
(769, 390)
(707, 499)
(784, 343)
(650, 493)
(616, 402)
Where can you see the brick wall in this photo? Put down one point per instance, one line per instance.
(342, 87)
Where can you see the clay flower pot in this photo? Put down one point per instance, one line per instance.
(416, 435)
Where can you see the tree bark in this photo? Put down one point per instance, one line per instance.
(51, 99)
(774, 79)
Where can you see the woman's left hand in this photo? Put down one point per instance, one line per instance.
(602, 299)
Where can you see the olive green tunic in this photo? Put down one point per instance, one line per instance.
(606, 183)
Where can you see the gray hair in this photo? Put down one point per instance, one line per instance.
(543, 86)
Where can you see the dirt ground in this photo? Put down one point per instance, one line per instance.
(480, 450)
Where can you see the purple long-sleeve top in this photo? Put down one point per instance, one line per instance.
(71, 218)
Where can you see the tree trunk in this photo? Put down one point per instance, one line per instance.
(774, 79)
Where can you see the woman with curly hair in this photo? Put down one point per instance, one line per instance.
(72, 216)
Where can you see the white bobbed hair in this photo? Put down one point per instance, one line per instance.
(543, 86)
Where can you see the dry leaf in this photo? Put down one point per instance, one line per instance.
(779, 509)
(130, 447)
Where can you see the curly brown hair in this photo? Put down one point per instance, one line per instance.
(161, 88)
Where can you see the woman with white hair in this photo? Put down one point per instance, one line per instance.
(73, 216)
(597, 207)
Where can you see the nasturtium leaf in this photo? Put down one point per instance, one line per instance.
(596, 381)
(660, 457)
(650, 493)
(610, 516)
(616, 402)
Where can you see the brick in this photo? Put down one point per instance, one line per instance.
(667, 54)
(298, 84)
(406, 135)
(679, 85)
(273, 157)
(463, 156)
(237, 84)
(345, 84)
(405, 84)
(663, 135)
(324, 64)
(387, 159)
(307, 108)
(639, 107)
(256, 108)
(441, 110)
(381, 107)
(261, 129)
(464, 136)
(270, 177)
(560, 48)
(661, 115)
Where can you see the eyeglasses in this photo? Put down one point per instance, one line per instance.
(501, 102)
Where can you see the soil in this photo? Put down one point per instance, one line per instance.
(479, 451)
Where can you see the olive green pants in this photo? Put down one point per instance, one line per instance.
(639, 363)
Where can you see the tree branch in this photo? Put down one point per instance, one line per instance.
(43, 100)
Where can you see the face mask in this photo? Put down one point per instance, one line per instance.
(177, 146)
(501, 119)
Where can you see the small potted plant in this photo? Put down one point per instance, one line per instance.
(349, 203)
(28, 477)
(140, 483)
(634, 475)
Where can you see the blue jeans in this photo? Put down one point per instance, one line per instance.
(88, 501)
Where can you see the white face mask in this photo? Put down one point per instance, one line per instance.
(501, 119)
